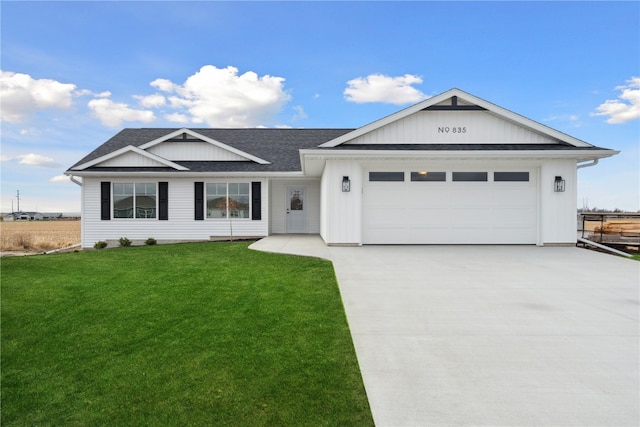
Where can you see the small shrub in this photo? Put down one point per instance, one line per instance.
(23, 241)
(100, 245)
(124, 242)
(150, 241)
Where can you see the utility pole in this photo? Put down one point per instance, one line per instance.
(18, 197)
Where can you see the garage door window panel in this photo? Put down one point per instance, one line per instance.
(470, 176)
(386, 176)
(428, 176)
(511, 176)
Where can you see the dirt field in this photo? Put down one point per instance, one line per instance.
(38, 236)
(615, 225)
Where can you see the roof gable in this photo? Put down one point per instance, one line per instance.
(188, 145)
(279, 149)
(455, 117)
(130, 156)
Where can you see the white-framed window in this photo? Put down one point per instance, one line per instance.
(135, 200)
(228, 200)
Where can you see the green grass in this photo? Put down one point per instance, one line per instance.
(192, 334)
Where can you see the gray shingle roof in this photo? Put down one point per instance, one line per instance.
(280, 147)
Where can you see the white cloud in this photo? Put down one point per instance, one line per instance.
(33, 159)
(177, 118)
(151, 101)
(386, 89)
(571, 119)
(626, 107)
(84, 92)
(221, 97)
(112, 114)
(5, 158)
(21, 95)
(60, 178)
(299, 113)
(164, 85)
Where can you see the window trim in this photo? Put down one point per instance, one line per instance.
(134, 197)
(226, 217)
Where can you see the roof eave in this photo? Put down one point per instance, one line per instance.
(587, 154)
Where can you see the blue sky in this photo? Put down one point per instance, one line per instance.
(75, 73)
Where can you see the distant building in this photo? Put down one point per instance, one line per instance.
(24, 216)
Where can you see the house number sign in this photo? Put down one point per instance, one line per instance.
(454, 129)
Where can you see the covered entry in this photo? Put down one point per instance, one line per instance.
(468, 206)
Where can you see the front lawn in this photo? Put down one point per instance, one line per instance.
(191, 334)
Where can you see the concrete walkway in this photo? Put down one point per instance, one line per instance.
(489, 335)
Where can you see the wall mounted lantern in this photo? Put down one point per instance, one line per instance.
(346, 184)
(558, 184)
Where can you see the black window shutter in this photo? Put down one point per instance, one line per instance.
(256, 202)
(199, 201)
(105, 200)
(163, 201)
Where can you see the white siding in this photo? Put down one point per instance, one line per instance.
(341, 211)
(558, 209)
(194, 151)
(278, 202)
(464, 127)
(529, 213)
(180, 226)
(130, 159)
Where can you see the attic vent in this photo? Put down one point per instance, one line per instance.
(183, 137)
(454, 106)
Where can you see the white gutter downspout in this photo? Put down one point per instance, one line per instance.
(587, 165)
(75, 181)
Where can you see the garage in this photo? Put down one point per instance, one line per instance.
(479, 206)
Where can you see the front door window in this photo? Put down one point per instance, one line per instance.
(296, 213)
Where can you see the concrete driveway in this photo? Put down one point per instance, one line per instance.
(490, 335)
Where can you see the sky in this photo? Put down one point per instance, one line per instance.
(75, 73)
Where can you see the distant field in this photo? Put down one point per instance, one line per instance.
(615, 225)
(36, 236)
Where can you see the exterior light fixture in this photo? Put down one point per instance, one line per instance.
(558, 184)
(346, 184)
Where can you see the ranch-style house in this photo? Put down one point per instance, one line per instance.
(453, 169)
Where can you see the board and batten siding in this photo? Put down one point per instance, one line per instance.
(341, 215)
(452, 127)
(278, 201)
(551, 215)
(558, 209)
(181, 225)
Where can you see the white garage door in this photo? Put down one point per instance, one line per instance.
(450, 207)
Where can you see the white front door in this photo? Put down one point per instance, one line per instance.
(296, 209)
